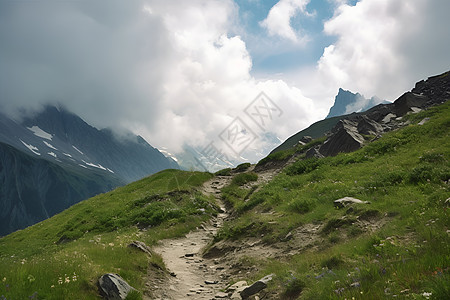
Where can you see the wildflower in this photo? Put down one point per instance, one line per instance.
(60, 280)
(427, 295)
(74, 277)
(31, 278)
(67, 280)
(52, 286)
(4, 279)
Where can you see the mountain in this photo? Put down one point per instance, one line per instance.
(347, 102)
(380, 118)
(53, 159)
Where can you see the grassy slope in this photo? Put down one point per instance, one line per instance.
(405, 175)
(62, 257)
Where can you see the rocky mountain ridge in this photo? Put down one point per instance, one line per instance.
(54, 159)
(347, 102)
(349, 132)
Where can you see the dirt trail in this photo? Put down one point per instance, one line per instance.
(195, 277)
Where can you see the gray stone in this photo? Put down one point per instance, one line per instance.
(256, 287)
(313, 152)
(344, 138)
(423, 121)
(343, 202)
(306, 139)
(140, 246)
(113, 287)
(236, 286)
(221, 295)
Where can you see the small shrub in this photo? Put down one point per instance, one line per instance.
(421, 174)
(334, 237)
(432, 158)
(303, 166)
(244, 178)
(242, 167)
(293, 288)
(223, 172)
(302, 205)
(332, 262)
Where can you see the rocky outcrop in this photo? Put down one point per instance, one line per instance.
(345, 133)
(113, 287)
(344, 138)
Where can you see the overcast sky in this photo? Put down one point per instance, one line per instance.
(178, 72)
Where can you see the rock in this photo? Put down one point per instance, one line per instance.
(306, 139)
(140, 246)
(313, 152)
(368, 126)
(388, 118)
(355, 285)
(221, 295)
(211, 282)
(113, 287)
(423, 121)
(408, 100)
(189, 255)
(343, 202)
(256, 287)
(344, 138)
(236, 286)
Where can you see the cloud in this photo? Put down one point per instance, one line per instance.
(278, 20)
(171, 71)
(383, 47)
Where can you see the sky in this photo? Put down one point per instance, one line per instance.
(182, 72)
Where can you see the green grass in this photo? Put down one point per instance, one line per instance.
(62, 257)
(405, 177)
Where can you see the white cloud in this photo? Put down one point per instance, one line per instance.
(385, 46)
(278, 20)
(168, 70)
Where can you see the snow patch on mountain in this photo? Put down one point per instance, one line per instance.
(67, 154)
(31, 147)
(99, 166)
(52, 154)
(77, 149)
(40, 133)
(49, 145)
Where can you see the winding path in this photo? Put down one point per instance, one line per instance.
(194, 277)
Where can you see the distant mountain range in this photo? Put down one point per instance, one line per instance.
(54, 159)
(347, 102)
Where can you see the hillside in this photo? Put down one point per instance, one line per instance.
(281, 219)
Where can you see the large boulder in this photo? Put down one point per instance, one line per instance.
(408, 100)
(256, 287)
(113, 287)
(344, 138)
(368, 126)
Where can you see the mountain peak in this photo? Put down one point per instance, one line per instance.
(347, 102)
